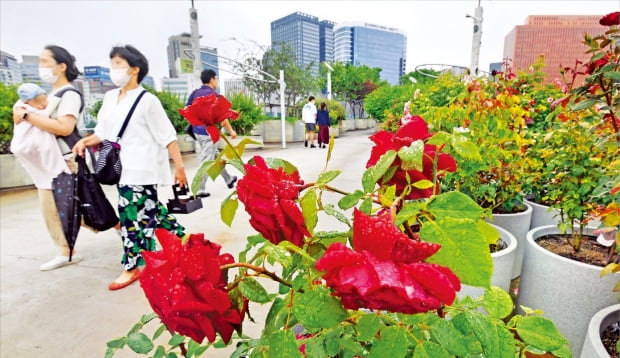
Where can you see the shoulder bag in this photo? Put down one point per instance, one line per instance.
(95, 207)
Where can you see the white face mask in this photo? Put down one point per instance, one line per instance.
(47, 75)
(119, 76)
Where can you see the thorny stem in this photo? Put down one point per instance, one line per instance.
(610, 102)
(259, 270)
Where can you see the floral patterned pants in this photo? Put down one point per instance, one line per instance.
(140, 213)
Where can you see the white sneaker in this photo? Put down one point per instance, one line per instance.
(60, 261)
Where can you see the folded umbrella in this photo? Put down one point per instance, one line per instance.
(65, 189)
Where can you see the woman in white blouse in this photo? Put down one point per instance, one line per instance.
(145, 146)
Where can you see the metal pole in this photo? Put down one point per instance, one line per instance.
(476, 41)
(329, 85)
(282, 108)
(195, 41)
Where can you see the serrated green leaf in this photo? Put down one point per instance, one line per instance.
(200, 173)
(489, 233)
(350, 200)
(109, 353)
(314, 348)
(228, 210)
(277, 253)
(331, 211)
(448, 337)
(411, 156)
(159, 331)
(390, 344)
(463, 249)
(276, 163)
(148, 317)
(368, 182)
(309, 209)
(497, 302)
(318, 309)
(612, 75)
(326, 177)
(584, 104)
(176, 339)
(139, 343)
(366, 206)
(454, 204)
(496, 341)
(117, 343)
(565, 352)
(430, 350)
(423, 184)
(539, 332)
(276, 318)
(439, 138)
(367, 327)
(136, 327)
(384, 163)
(171, 355)
(160, 352)
(283, 344)
(464, 148)
(409, 210)
(254, 291)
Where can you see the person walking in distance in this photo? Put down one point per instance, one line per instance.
(322, 120)
(308, 114)
(208, 149)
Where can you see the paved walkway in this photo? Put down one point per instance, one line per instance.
(69, 312)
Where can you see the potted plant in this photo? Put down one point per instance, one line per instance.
(250, 114)
(606, 323)
(564, 275)
(382, 283)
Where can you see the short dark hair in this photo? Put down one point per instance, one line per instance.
(61, 55)
(134, 57)
(323, 105)
(207, 75)
(311, 98)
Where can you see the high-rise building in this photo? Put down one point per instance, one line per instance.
(557, 37)
(179, 86)
(10, 71)
(326, 41)
(180, 56)
(361, 43)
(30, 71)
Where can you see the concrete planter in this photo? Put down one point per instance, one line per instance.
(567, 291)
(503, 263)
(348, 124)
(221, 144)
(334, 132)
(272, 131)
(517, 224)
(13, 174)
(361, 124)
(593, 346)
(542, 215)
(186, 143)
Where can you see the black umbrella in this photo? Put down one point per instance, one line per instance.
(65, 188)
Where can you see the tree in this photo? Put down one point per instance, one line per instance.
(8, 97)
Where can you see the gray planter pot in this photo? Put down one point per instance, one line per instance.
(503, 263)
(13, 173)
(567, 291)
(361, 123)
(543, 215)
(593, 346)
(186, 143)
(517, 224)
(272, 131)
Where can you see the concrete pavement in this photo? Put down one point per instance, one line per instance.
(70, 313)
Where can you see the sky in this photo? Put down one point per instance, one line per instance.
(438, 31)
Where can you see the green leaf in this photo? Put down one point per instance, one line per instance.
(448, 337)
(423, 184)
(367, 327)
(496, 341)
(463, 249)
(565, 352)
(254, 291)
(368, 182)
(390, 344)
(318, 309)
(409, 210)
(109, 353)
(489, 233)
(309, 210)
(148, 317)
(539, 332)
(384, 163)
(228, 210)
(430, 350)
(117, 343)
(615, 76)
(277, 316)
(411, 156)
(277, 253)
(584, 104)
(464, 148)
(139, 343)
(497, 302)
(331, 211)
(194, 349)
(160, 352)
(159, 331)
(454, 204)
(350, 200)
(283, 344)
(328, 176)
(314, 348)
(276, 163)
(366, 206)
(176, 339)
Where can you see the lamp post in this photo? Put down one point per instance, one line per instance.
(195, 43)
(329, 80)
(476, 40)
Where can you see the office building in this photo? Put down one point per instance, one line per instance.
(180, 86)
(362, 43)
(557, 37)
(180, 58)
(10, 70)
(326, 41)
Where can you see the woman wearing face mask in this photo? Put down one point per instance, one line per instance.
(145, 145)
(57, 67)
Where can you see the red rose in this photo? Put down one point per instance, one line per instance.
(209, 111)
(610, 19)
(186, 288)
(269, 197)
(414, 130)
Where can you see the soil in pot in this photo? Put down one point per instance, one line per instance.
(591, 252)
(610, 337)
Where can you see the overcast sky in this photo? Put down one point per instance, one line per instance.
(437, 31)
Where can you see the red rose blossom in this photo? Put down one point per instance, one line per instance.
(610, 19)
(269, 197)
(209, 111)
(186, 288)
(415, 129)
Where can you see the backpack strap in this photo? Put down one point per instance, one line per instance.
(60, 93)
(67, 142)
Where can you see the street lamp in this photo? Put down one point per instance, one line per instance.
(329, 80)
(476, 40)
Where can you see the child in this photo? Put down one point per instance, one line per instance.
(36, 149)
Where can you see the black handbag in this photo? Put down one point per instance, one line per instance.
(189, 129)
(95, 207)
(183, 203)
(108, 166)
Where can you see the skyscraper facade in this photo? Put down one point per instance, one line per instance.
(10, 71)
(301, 32)
(361, 43)
(557, 37)
(179, 56)
(326, 41)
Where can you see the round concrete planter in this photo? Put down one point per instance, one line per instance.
(348, 124)
(503, 263)
(186, 143)
(361, 123)
(517, 224)
(543, 215)
(593, 346)
(13, 173)
(334, 132)
(272, 131)
(567, 291)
